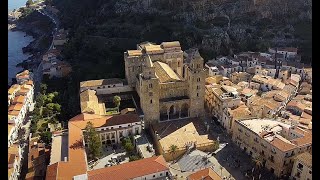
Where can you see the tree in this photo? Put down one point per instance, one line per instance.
(40, 100)
(116, 101)
(43, 88)
(29, 2)
(215, 145)
(173, 149)
(134, 158)
(258, 161)
(92, 138)
(46, 137)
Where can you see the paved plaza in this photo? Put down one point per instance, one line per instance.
(108, 154)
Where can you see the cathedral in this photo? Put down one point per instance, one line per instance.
(170, 82)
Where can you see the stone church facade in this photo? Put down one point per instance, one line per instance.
(170, 82)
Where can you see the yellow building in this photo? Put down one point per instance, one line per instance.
(170, 82)
(276, 142)
(302, 167)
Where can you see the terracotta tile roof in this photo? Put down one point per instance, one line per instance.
(76, 164)
(288, 49)
(13, 88)
(205, 174)
(14, 113)
(19, 99)
(102, 121)
(306, 115)
(282, 145)
(15, 107)
(130, 170)
(305, 158)
(240, 113)
(296, 104)
(23, 91)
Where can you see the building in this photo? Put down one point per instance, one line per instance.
(24, 76)
(213, 69)
(60, 38)
(277, 142)
(106, 86)
(186, 134)
(14, 162)
(68, 158)
(167, 80)
(289, 52)
(56, 68)
(221, 97)
(12, 92)
(38, 158)
(230, 115)
(302, 167)
(237, 77)
(268, 83)
(51, 55)
(150, 168)
(12, 134)
(264, 106)
(205, 174)
(89, 103)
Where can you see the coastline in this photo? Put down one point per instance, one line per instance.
(36, 47)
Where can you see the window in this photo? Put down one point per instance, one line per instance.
(150, 85)
(310, 172)
(150, 93)
(198, 87)
(198, 79)
(151, 101)
(197, 94)
(119, 126)
(300, 166)
(154, 175)
(160, 174)
(178, 63)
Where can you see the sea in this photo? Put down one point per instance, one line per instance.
(16, 41)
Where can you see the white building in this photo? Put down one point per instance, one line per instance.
(14, 162)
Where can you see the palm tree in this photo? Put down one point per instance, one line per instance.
(221, 168)
(258, 161)
(116, 101)
(172, 149)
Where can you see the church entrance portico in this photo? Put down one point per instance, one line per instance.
(175, 110)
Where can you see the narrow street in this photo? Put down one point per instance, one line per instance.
(231, 157)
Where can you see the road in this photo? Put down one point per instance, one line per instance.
(234, 161)
(38, 71)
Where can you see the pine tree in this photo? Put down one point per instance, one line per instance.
(92, 138)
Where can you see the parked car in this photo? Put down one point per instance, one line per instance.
(150, 148)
